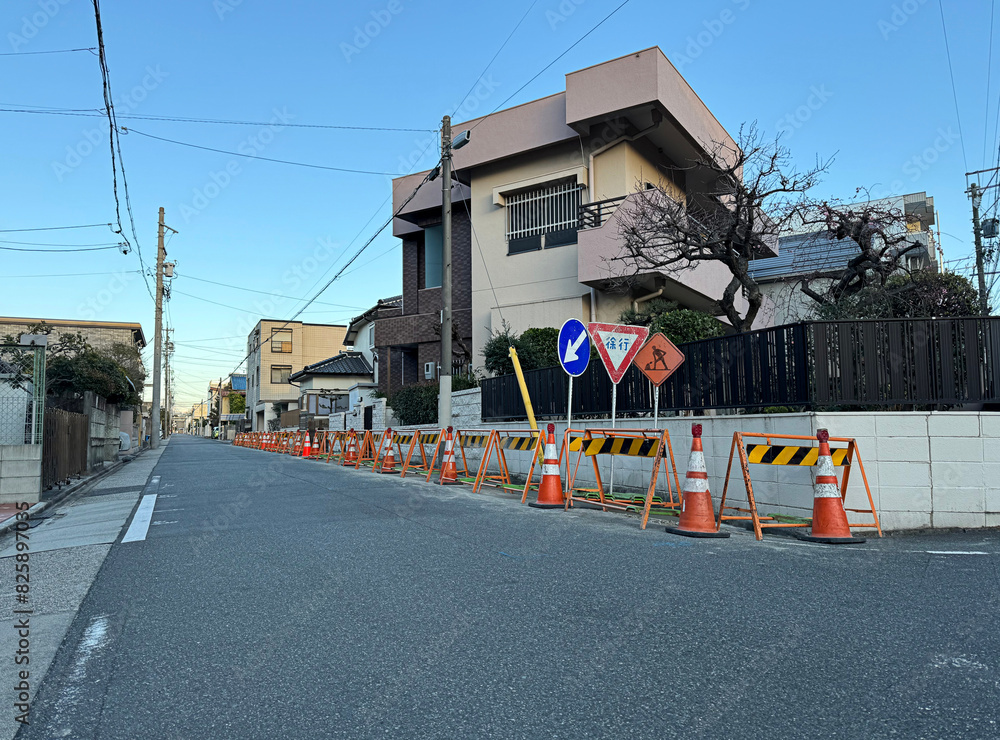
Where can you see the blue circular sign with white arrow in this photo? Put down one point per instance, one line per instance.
(574, 347)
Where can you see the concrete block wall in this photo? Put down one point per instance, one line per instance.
(20, 473)
(924, 469)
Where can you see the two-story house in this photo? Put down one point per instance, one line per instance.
(539, 195)
(276, 350)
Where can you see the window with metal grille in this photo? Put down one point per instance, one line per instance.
(544, 217)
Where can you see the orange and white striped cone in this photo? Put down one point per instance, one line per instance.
(697, 510)
(449, 473)
(389, 459)
(829, 523)
(550, 490)
(351, 456)
(307, 448)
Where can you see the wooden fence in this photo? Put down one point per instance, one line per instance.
(64, 448)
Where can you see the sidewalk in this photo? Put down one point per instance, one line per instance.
(69, 543)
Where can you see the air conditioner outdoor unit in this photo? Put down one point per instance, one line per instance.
(429, 370)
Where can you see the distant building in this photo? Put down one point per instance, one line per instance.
(99, 334)
(819, 254)
(276, 350)
(325, 387)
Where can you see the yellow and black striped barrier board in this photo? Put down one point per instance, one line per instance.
(790, 455)
(429, 439)
(403, 439)
(518, 443)
(629, 446)
(473, 440)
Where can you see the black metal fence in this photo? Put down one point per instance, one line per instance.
(900, 363)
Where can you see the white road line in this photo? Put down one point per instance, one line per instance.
(956, 552)
(140, 522)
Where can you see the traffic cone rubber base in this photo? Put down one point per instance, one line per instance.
(831, 540)
(535, 505)
(692, 533)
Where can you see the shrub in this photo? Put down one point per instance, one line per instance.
(679, 325)
(538, 347)
(415, 404)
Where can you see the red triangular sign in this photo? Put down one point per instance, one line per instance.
(617, 344)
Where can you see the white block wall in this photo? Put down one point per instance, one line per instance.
(924, 469)
(20, 473)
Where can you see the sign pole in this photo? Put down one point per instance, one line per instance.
(614, 406)
(656, 405)
(569, 404)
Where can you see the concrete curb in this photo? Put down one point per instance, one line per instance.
(41, 506)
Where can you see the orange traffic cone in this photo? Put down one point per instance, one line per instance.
(829, 523)
(351, 456)
(697, 511)
(389, 459)
(307, 448)
(550, 490)
(449, 473)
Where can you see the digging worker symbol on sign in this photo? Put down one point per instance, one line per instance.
(659, 359)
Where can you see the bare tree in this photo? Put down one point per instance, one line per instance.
(753, 195)
(882, 240)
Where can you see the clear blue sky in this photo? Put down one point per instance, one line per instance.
(875, 73)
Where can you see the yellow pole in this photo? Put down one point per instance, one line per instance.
(524, 389)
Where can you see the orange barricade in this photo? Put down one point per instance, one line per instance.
(296, 447)
(367, 449)
(418, 440)
(648, 443)
(499, 443)
(336, 446)
(799, 455)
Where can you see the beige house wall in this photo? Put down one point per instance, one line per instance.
(311, 343)
(534, 289)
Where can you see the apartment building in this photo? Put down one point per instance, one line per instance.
(540, 192)
(99, 334)
(277, 350)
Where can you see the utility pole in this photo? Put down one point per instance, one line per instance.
(154, 417)
(168, 401)
(977, 197)
(444, 391)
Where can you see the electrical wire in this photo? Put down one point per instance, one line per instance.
(91, 49)
(564, 53)
(989, 70)
(254, 156)
(117, 161)
(261, 292)
(66, 274)
(954, 90)
(53, 244)
(53, 251)
(55, 228)
(92, 112)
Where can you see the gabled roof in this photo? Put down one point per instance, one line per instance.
(804, 254)
(352, 329)
(346, 363)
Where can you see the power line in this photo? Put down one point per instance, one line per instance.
(254, 156)
(67, 274)
(55, 228)
(261, 292)
(91, 49)
(53, 251)
(52, 244)
(117, 161)
(92, 112)
(564, 53)
(989, 70)
(954, 90)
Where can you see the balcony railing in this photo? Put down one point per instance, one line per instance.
(596, 214)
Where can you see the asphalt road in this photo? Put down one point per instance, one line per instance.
(282, 598)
